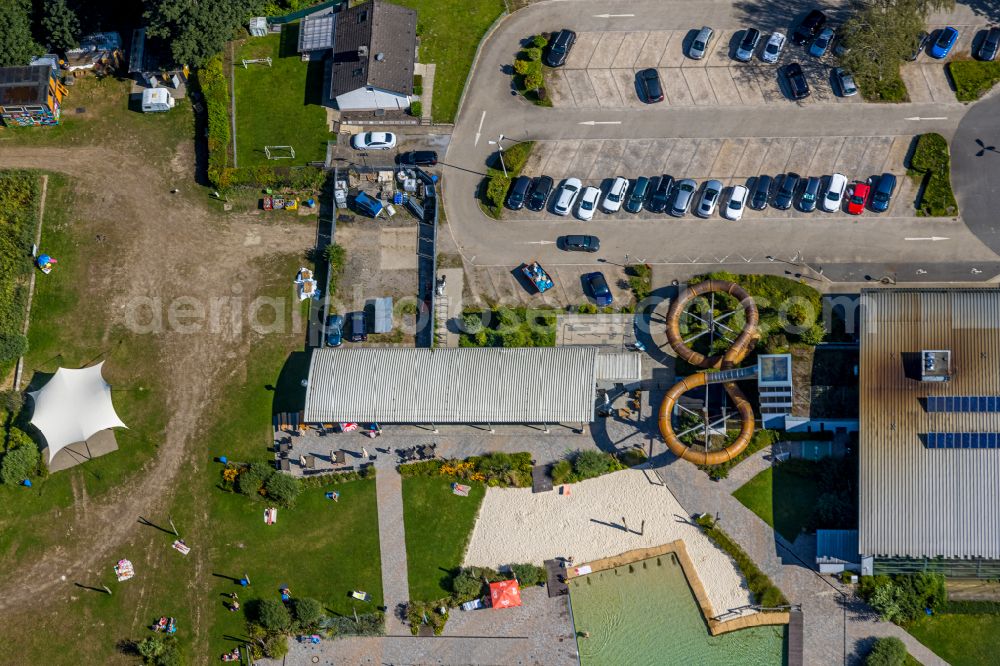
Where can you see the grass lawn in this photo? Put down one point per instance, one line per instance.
(450, 32)
(796, 500)
(961, 640)
(279, 105)
(438, 526)
(973, 78)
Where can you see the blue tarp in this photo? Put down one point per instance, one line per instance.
(367, 204)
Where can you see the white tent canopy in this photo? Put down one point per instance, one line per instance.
(73, 406)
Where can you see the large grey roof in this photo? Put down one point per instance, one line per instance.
(464, 385)
(390, 34)
(916, 501)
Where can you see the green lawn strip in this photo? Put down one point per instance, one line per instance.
(783, 500)
(973, 78)
(961, 640)
(66, 331)
(931, 165)
(496, 184)
(450, 32)
(438, 526)
(279, 105)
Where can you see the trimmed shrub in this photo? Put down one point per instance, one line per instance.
(12, 346)
(496, 190)
(467, 585)
(522, 67)
(19, 463)
(276, 646)
(283, 488)
(416, 109)
(253, 477)
(534, 54)
(765, 592)
(529, 574)
(370, 624)
(539, 41)
(562, 472)
(931, 158)
(887, 651)
(973, 78)
(308, 612)
(273, 616)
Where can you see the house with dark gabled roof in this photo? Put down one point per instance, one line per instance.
(371, 49)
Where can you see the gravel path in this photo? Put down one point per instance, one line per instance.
(392, 542)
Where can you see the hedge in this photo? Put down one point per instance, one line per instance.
(369, 624)
(507, 470)
(765, 592)
(973, 78)
(19, 192)
(584, 465)
(496, 183)
(932, 159)
(212, 81)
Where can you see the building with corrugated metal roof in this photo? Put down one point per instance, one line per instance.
(464, 385)
(930, 431)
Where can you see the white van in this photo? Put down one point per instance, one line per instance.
(157, 100)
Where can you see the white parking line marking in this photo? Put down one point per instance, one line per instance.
(613, 15)
(600, 122)
(919, 118)
(928, 238)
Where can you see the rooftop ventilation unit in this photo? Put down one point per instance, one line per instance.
(935, 365)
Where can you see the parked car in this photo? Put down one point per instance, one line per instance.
(942, 45)
(761, 192)
(580, 243)
(786, 191)
(518, 192)
(834, 193)
(637, 197)
(751, 38)
(359, 327)
(882, 196)
(775, 43)
(334, 330)
(841, 43)
(597, 285)
(373, 141)
(615, 196)
(649, 82)
(660, 198)
(683, 194)
(845, 82)
(991, 44)
(736, 203)
(822, 43)
(541, 187)
(699, 47)
(809, 27)
(559, 48)
(566, 196)
(810, 194)
(797, 84)
(709, 198)
(858, 198)
(588, 203)
(418, 158)
(919, 44)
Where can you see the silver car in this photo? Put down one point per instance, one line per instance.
(567, 195)
(775, 43)
(709, 198)
(699, 47)
(683, 194)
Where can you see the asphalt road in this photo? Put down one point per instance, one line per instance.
(911, 248)
(975, 167)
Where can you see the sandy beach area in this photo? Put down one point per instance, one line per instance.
(516, 525)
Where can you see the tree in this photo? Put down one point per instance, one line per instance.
(12, 345)
(283, 488)
(61, 24)
(19, 463)
(16, 45)
(533, 79)
(467, 585)
(253, 477)
(273, 616)
(308, 612)
(195, 31)
(888, 651)
(879, 37)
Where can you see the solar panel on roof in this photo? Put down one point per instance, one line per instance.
(962, 440)
(967, 404)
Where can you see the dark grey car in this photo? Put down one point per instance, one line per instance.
(559, 48)
(810, 194)
(576, 243)
(761, 192)
(991, 43)
(683, 194)
(786, 192)
(881, 195)
(518, 193)
(640, 189)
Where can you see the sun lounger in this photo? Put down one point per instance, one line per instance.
(124, 570)
(270, 516)
(284, 465)
(181, 547)
(311, 462)
(361, 596)
(460, 490)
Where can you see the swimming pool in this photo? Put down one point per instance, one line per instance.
(645, 613)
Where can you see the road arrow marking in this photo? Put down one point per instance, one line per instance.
(919, 118)
(479, 130)
(928, 238)
(600, 122)
(613, 15)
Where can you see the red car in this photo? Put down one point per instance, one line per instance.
(859, 195)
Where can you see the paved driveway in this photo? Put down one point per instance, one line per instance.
(927, 79)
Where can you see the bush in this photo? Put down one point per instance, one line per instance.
(534, 54)
(253, 477)
(416, 109)
(522, 66)
(632, 457)
(973, 78)
(308, 613)
(533, 80)
(426, 612)
(902, 598)
(273, 616)
(590, 464)
(887, 651)
(539, 41)
(467, 585)
(19, 463)
(761, 439)
(562, 472)
(370, 624)
(11, 401)
(640, 280)
(529, 574)
(932, 159)
(335, 255)
(211, 80)
(276, 646)
(159, 651)
(765, 592)
(496, 190)
(283, 489)
(12, 346)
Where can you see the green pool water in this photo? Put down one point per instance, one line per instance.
(645, 613)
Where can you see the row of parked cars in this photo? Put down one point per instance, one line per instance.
(664, 194)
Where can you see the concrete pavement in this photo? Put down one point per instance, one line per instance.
(879, 243)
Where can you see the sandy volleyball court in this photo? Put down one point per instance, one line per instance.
(517, 526)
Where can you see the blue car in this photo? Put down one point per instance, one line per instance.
(945, 40)
(822, 43)
(598, 287)
(334, 330)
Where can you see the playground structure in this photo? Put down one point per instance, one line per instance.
(279, 152)
(726, 363)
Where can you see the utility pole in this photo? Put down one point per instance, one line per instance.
(499, 146)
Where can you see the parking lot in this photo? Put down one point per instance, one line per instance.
(732, 161)
(926, 79)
